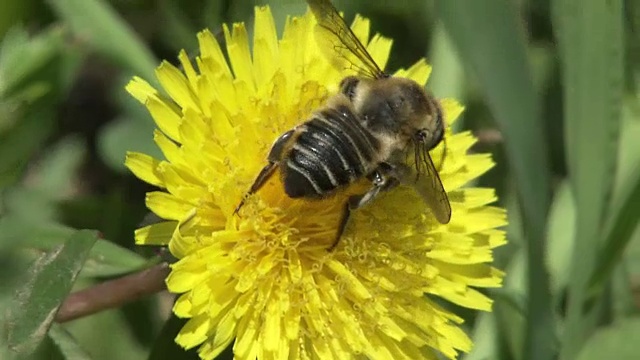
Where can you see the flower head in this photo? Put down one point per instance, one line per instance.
(264, 277)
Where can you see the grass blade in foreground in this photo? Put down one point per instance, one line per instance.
(52, 278)
(591, 49)
(494, 46)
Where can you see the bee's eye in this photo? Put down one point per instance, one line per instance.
(421, 135)
(348, 86)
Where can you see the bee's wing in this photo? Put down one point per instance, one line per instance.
(340, 44)
(424, 178)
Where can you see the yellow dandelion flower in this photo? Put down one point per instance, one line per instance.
(265, 279)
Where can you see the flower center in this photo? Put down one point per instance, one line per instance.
(280, 222)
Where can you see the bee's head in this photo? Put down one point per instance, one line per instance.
(395, 105)
(432, 130)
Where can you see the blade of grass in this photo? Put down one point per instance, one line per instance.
(622, 295)
(510, 306)
(448, 78)
(590, 41)
(494, 46)
(624, 223)
(560, 240)
(484, 336)
(22, 56)
(632, 13)
(625, 209)
(97, 23)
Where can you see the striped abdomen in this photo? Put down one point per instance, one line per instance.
(332, 150)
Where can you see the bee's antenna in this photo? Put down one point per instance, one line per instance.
(417, 159)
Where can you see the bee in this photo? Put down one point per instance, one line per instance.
(368, 129)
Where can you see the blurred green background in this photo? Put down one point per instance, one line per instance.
(550, 88)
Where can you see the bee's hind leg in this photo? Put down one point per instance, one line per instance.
(274, 157)
(383, 179)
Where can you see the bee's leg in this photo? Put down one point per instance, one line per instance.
(383, 179)
(346, 213)
(262, 177)
(274, 157)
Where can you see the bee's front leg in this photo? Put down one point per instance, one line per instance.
(383, 178)
(274, 157)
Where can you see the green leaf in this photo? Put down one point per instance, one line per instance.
(18, 231)
(619, 341)
(561, 238)
(124, 135)
(102, 28)
(624, 215)
(47, 350)
(108, 259)
(623, 303)
(54, 173)
(447, 79)
(590, 38)
(66, 344)
(13, 267)
(14, 12)
(18, 144)
(31, 205)
(509, 305)
(21, 56)
(51, 178)
(494, 47)
(619, 233)
(484, 337)
(632, 13)
(105, 258)
(52, 277)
